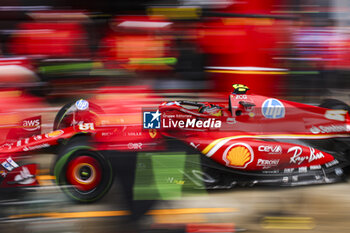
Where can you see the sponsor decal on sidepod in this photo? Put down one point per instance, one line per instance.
(238, 155)
(24, 177)
(270, 149)
(267, 163)
(328, 129)
(152, 133)
(296, 158)
(36, 147)
(54, 134)
(273, 109)
(31, 125)
(334, 114)
(9, 164)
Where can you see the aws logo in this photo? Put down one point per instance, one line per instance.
(32, 124)
(238, 155)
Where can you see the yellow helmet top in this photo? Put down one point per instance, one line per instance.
(239, 88)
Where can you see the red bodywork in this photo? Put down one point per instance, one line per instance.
(255, 138)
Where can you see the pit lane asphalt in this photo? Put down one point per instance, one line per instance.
(322, 208)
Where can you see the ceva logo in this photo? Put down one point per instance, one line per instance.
(273, 109)
(151, 120)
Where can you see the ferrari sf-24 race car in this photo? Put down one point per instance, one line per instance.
(250, 140)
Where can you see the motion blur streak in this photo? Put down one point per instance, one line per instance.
(288, 223)
(90, 214)
(245, 72)
(191, 211)
(96, 214)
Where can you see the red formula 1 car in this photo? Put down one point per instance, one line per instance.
(250, 140)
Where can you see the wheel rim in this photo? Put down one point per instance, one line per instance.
(84, 173)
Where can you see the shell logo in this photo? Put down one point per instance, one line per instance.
(238, 155)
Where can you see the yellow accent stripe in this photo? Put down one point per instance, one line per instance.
(211, 145)
(246, 72)
(93, 214)
(45, 177)
(299, 136)
(293, 223)
(88, 214)
(45, 180)
(175, 13)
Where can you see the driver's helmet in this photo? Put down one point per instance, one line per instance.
(211, 109)
(239, 89)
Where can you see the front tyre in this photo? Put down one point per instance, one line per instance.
(83, 173)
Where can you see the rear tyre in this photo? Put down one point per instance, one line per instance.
(83, 173)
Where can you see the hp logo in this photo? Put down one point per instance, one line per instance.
(82, 104)
(273, 109)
